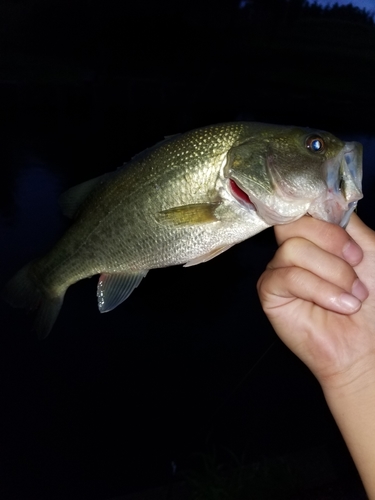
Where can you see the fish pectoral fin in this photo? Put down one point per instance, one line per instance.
(187, 215)
(207, 256)
(115, 288)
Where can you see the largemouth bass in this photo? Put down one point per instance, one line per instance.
(185, 201)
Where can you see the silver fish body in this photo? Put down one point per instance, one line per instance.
(186, 200)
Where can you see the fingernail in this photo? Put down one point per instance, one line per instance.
(359, 290)
(348, 303)
(352, 252)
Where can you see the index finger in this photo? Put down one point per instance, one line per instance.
(330, 237)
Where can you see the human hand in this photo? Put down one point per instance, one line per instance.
(315, 303)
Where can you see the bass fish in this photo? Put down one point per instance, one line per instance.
(185, 201)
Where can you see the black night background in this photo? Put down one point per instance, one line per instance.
(184, 389)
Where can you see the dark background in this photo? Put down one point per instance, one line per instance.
(189, 362)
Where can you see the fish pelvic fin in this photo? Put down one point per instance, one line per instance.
(22, 291)
(113, 289)
(188, 215)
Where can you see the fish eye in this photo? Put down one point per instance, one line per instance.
(315, 143)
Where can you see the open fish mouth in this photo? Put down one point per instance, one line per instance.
(344, 186)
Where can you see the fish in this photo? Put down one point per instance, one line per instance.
(185, 201)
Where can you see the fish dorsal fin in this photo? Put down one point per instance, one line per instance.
(166, 137)
(72, 199)
(188, 215)
(146, 151)
(207, 256)
(115, 288)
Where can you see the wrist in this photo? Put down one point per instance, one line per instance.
(351, 399)
(357, 379)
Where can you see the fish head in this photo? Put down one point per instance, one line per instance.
(288, 172)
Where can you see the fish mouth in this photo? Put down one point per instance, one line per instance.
(343, 177)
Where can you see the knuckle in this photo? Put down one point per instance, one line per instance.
(291, 250)
(332, 235)
(261, 283)
(291, 275)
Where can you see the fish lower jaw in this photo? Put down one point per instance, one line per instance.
(334, 209)
(335, 215)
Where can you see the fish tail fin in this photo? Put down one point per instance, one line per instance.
(23, 292)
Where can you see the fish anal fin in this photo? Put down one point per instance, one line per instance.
(115, 288)
(187, 215)
(207, 256)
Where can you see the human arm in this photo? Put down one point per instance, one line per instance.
(307, 294)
